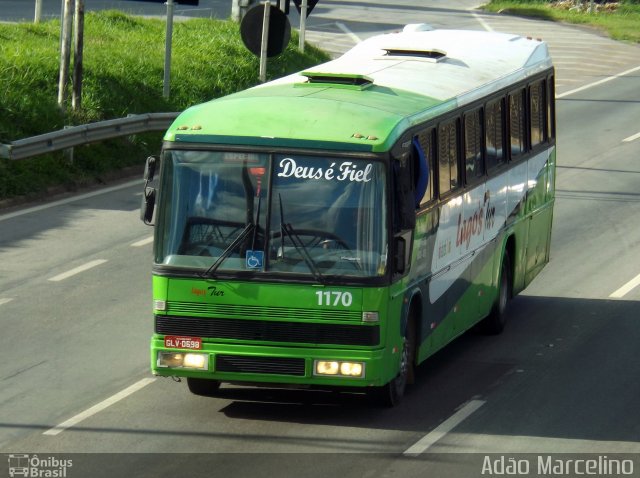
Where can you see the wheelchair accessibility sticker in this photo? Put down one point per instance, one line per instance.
(254, 259)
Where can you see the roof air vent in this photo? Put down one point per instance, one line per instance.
(338, 79)
(433, 55)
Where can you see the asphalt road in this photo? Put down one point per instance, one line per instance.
(562, 378)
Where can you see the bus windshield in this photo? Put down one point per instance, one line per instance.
(272, 214)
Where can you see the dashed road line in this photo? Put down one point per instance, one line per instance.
(631, 138)
(356, 39)
(484, 24)
(77, 270)
(143, 242)
(69, 200)
(599, 82)
(445, 427)
(99, 407)
(5, 300)
(625, 289)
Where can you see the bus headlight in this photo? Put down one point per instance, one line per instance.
(338, 368)
(183, 360)
(370, 317)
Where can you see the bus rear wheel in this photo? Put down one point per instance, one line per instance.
(390, 394)
(203, 387)
(494, 323)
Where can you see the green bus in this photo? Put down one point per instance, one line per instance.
(334, 228)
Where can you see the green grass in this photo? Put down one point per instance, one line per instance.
(623, 23)
(123, 74)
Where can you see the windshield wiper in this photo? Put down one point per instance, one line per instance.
(298, 244)
(243, 234)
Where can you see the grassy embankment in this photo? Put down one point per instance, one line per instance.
(123, 74)
(620, 20)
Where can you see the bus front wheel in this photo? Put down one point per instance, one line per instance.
(391, 394)
(203, 386)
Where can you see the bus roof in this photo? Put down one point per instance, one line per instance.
(364, 99)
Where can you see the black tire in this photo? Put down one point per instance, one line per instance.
(390, 394)
(203, 387)
(494, 323)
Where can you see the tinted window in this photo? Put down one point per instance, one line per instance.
(426, 141)
(516, 123)
(473, 160)
(494, 121)
(448, 156)
(538, 112)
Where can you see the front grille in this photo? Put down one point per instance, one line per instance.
(269, 331)
(260, 312)
(262, 365)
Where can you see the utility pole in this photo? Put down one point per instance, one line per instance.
(303, 25)
(239, 8)
(65, 51)
(265, 41)
(167, 50)
(38, 14)
(76, 97)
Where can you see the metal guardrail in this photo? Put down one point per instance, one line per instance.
(84, 134)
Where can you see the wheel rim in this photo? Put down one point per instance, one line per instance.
(503, 294)
(401, 379)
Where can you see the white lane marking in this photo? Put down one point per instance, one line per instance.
(599, 82)
(484, 24)
(99, 407)
(6, 300)
(625, 289)
(631, 138)
(77, 270)
(143, 242)
(69, 200)
(445, 427)
(350, 34)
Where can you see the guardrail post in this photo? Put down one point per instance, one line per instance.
(69, 151)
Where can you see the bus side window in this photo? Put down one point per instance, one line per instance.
(494, 126)
(426, 141)
(537, 113)
(448, 153)
(551, 109)
(516, 123)
(473, 158)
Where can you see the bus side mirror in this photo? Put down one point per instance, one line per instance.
(402, 252)
(148, 205)
(150, 168)
(149, 193)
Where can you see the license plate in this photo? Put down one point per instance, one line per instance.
(173, 342)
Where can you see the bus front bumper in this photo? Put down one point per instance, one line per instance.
(262, 364)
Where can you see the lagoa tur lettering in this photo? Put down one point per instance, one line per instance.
(346, 171)
(482, 217)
